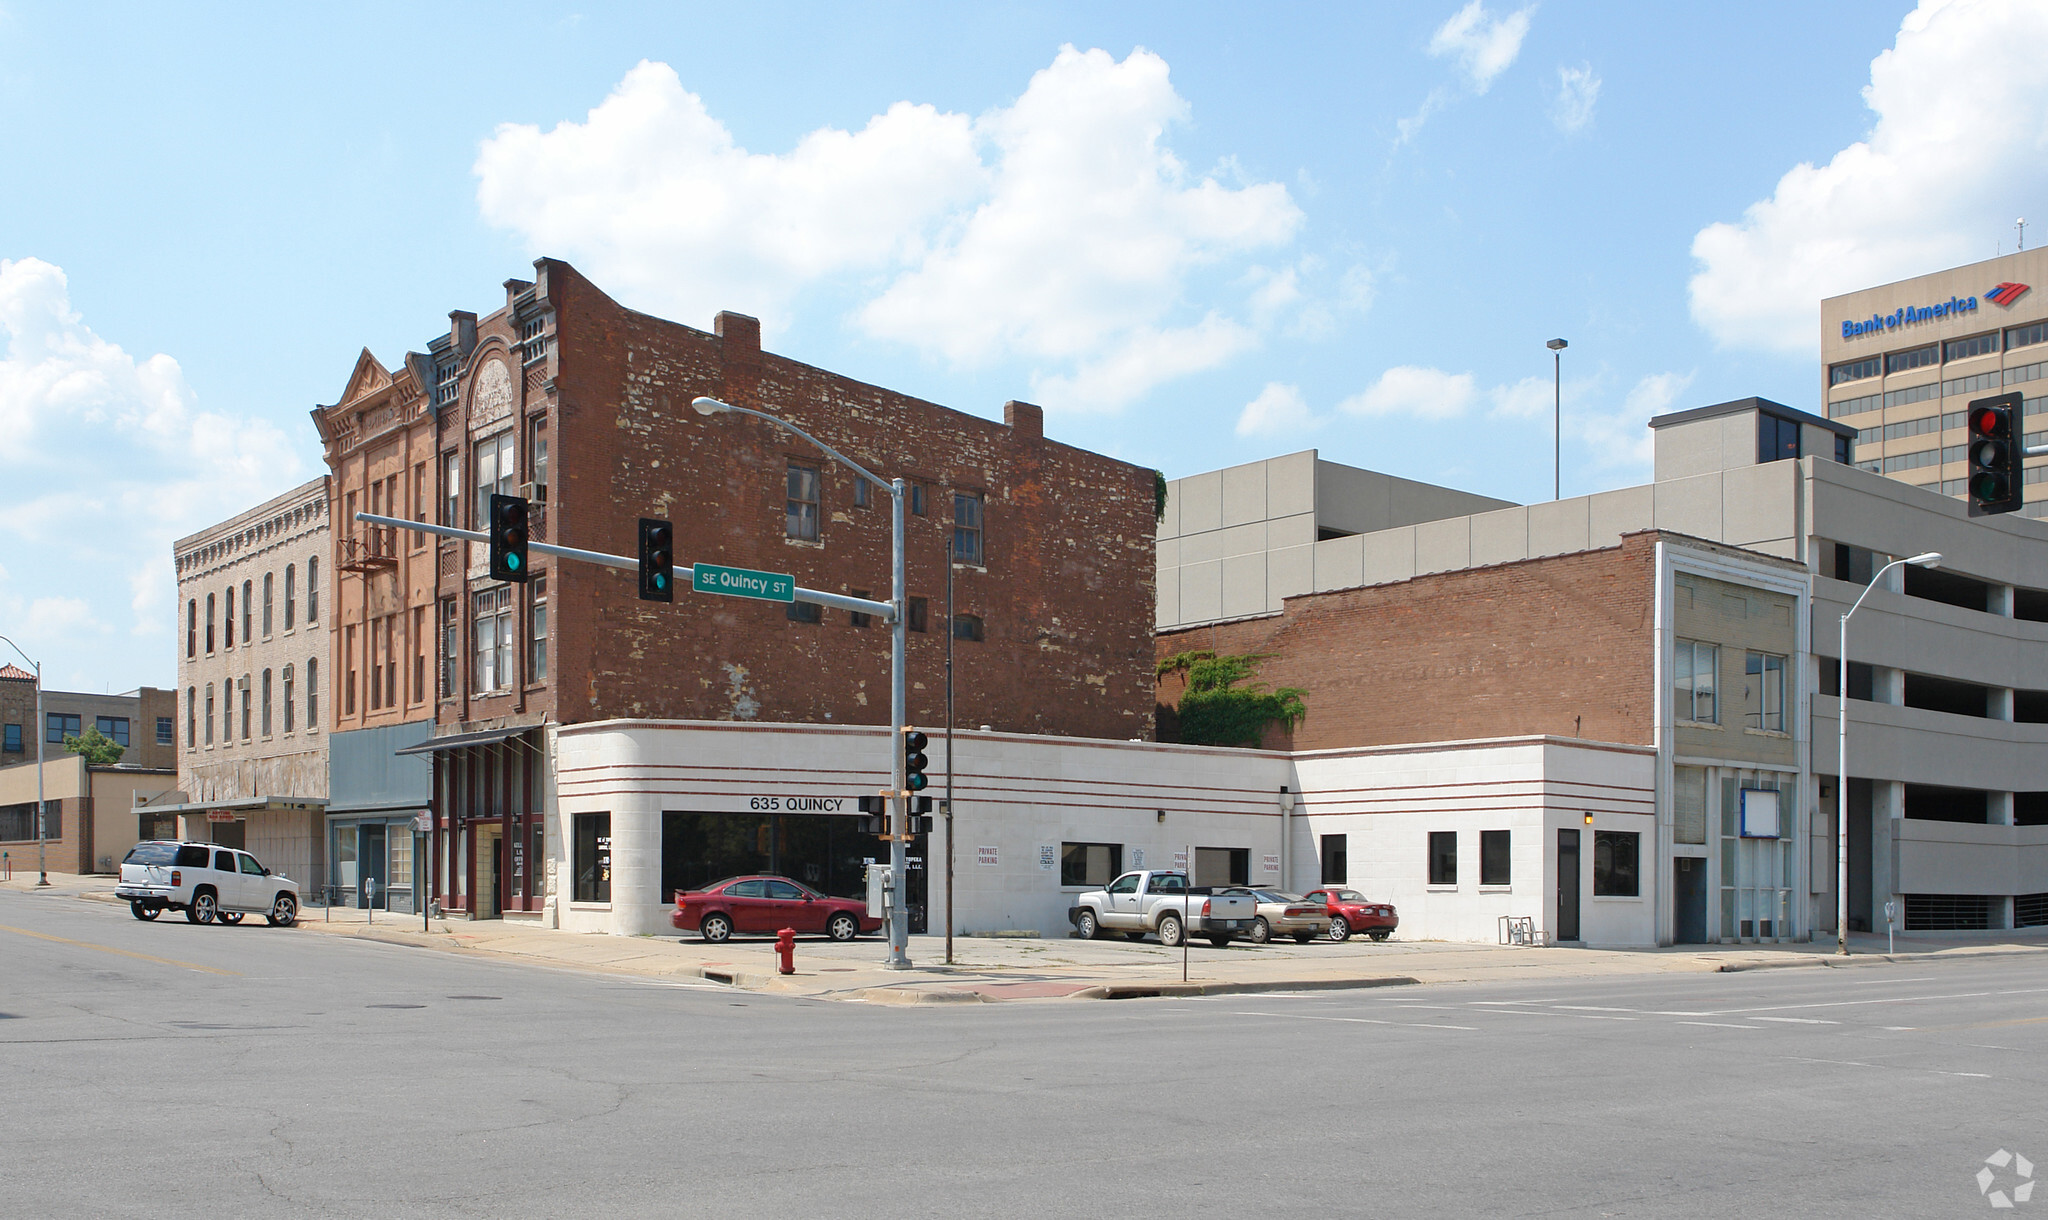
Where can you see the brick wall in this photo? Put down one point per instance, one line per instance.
(1558, 645)
(1066, 594)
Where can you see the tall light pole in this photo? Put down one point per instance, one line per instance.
(1557, 346)
(1928, 559)
(899, 850)
(42, 734)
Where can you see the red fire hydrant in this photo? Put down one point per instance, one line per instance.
(785, 944)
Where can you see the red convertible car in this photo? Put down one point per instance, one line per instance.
(1351, 911)
(768, 905)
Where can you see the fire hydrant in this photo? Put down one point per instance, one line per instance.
(785, 945)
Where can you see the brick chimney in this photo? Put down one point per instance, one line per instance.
(1026, 420)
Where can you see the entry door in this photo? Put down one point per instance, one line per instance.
(372, 861)
(1689, 900)
(1567, 885)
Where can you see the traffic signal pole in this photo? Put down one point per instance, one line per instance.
(899, 708)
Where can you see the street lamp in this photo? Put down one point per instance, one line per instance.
(42, 733)
(1929, 559)
(899, 851)
(1557, 417)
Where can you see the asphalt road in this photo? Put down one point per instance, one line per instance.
(167, 1070)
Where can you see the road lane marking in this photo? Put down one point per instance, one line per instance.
(1592, 1008)
(1541, 1012)
(1797, 1020)
(1302, 1016)
(141, 957)
(1857, 1063)
(1903, 999)
(1720, 1025)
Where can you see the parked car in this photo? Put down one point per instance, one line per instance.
(1283, 914)
(1351, 911)
(768, 904)
(207, 881)
(1162, 903)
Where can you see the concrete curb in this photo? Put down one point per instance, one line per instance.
(1145, 991)
(1855, 959)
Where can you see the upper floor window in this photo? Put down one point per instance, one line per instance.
(537, 614)
(1854, 370)
(12, 742)
(248, 610)
(59, 725)
(191, 628)
(192, 717)
(967, 627)
(165, 734)
(801, 521)
(227, 621)
(497, 469)
(860, 492)
(1916, 358)
(312, 692)
(290, 693)
(1764, 680)
(269, 588)
(1693, 672)
(537, 446)
(1777, 438)
(918, 507)
(1975, 345)
(291, 594)
(967, 527)
(209, 623)
(313, 589)
(451, 488)
(115, 727)
(491, 632)
(1844, 453)
(2026, 336)
(917, 617)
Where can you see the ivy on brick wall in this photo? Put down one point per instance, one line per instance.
(1223, 706)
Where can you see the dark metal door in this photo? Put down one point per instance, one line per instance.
(371, 857)
(1567, 885)
(1689, 900)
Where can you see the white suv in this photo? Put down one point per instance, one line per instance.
(206, 881)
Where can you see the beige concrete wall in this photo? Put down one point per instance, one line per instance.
(1957, 858)
(1738, 619)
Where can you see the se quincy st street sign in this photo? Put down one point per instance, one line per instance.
(743, 582)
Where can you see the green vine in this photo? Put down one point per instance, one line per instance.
(1219, 709)
(1158, 495)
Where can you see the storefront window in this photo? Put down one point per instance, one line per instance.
(593, 857)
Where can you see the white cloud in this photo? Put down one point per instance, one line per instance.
(1955, 152)
(1525, 399)
(1059, 230)
(1484, 46)
(651, 195)
(1279, 409)
(1409, 390)
(109, 461)
(1622, 438)
(1577, 91)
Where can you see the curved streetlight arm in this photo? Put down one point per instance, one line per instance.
(712, 406)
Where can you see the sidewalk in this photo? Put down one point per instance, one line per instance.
(995, 969)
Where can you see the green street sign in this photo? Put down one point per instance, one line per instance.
(744, 582)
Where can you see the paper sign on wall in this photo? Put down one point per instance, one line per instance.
(1759, 813)
(1272, 864)
(1137, 857)
(987, 857)
(1048, 856)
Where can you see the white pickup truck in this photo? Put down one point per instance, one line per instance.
(1161, 903)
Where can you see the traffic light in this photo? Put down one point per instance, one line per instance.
(657, 561)
(914, 761)
(1994, 482)
(508, 538)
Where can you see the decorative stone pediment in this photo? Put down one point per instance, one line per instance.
(490, 394)
(368, 377)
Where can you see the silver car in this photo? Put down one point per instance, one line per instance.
(1284, 914)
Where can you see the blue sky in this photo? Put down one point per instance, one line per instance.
(1198, 234)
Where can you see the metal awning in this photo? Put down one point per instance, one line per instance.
(457, 741)
(247, 804)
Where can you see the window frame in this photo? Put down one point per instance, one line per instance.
(1608, 881)
(503, 449)
(291, 596)
(269, 595)
(58, 725)
(969, 627)
(1072, 874)
(1442, 858)
(313, 589)
(1685, 682)
(12, 740)
(973, 504)
(798, 513)
(1496, 859)
(1770, 691)
(1333, 855)
(591, 846)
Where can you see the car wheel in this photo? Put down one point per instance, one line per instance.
(842, 927)
(716, 928)
(204, 907)
(284, 911)
(1380, 933)
(230, 918)
(1260, 932)
(1340, 928)
(1086, 925)
(1302, 938)
(1170, 931)
(143, 912)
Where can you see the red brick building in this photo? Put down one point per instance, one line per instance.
(582, 405)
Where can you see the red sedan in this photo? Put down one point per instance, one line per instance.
(1351, 911)
(768, 904)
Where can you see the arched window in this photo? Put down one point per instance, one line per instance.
(191, 628)
(291, 594)
(312, 692)
(191, 717)
(227, 623)
(209, 712)
(266, 703)
(312, 600)
(248, 613)
(209, 627)
(287, 698)
(269, 583)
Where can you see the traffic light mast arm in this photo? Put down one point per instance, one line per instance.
(838, 601)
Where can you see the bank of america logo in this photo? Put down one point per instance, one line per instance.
(2007, 293)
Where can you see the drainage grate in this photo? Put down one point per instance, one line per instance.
(2030, 911)
(1947, 912)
